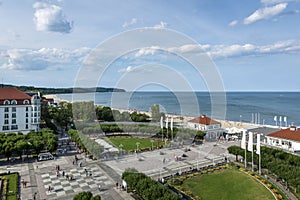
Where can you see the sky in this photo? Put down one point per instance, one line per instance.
(249, 45)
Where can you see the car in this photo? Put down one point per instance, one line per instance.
(45, 156)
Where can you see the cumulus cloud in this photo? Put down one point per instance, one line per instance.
(44, 58)
(235, 50)
(160, 25)
(233, 23)
(132, 22)
(51, 18)
(265, 13)
(147, 51)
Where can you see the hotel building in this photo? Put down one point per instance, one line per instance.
(19, 111)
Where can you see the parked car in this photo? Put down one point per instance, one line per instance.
(45, 156)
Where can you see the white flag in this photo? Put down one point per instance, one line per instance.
(161, 122)
(250, 142)
(275, 118)
(258, 144)
(167, 122)
(280, 119)
(243, 144)
(172, 124)
(285, 119)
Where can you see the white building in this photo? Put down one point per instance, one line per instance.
(287, 139)
(19, 112)
(211, 127)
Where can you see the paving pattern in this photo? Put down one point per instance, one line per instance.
(61, 186)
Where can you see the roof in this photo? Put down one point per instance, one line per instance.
(203, 120)
(13, 94)
(289, 134)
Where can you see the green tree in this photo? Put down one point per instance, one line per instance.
(86, 196)
(155, 113)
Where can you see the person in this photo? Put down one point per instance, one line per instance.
(99, 187)
(49, 188)
(25, 183)
(63, 173)
(34, 196)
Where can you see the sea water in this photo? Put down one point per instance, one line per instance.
(259, 107)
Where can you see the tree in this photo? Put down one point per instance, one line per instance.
(155, 113)
(86, 196)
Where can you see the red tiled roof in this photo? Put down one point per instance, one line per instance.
(13, 94)
(203, 120)
(289, 134)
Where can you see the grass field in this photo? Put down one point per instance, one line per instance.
(12, 186)
(129, 144)
(227, 184)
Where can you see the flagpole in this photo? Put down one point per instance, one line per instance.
(252, 162)
(245, 158)
(259, 162)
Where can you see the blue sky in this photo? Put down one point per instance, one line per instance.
(254, 44)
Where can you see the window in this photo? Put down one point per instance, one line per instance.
(6, 121)
(14, 102)
(26, 120)
(5, 115)
(27, 109)
(5, 128)
(26, 114)
(25, 102)
(26, 126)
(14, 127)
(13, 109)
(13, 121)
(6, 102)
(13, 115)
(6, 109)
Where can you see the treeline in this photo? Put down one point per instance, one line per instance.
(86, 144)
(281, 163)
(44, 90)
(12, 144)
(146, 187)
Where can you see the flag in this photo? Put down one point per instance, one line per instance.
(161, 122)
(172, 124)
(275, 118)
(258, 144)
(167, 122)
(285, 119)
(250, 142)
(243, 144)
(280, 119)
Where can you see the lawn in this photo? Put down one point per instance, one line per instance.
(227, 184)
(11, 192)
(129, 143)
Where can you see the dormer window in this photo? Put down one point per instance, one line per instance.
(6, 102)
(14, 102)
(25, 102)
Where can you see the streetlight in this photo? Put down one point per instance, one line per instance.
(152, 143)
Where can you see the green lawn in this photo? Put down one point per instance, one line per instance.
(227, 184)
(12, 186)
(129, 143)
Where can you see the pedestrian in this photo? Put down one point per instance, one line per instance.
(86, 173)
(99, 187)
(49, 188)
(63, 173)
(25, 183)
(34, 196)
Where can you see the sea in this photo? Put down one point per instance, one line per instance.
(269, 108)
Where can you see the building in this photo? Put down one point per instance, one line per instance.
(286, 139)
(19, 111)
(211, 127)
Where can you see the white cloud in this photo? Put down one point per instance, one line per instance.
(44, 58)
(51, 18)
(160, 25)
(233, 23)
(147, 51)
(265, 13)
(132, 22)
(127, 69)
(235, 50)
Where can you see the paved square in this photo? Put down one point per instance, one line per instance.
(63, 187)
